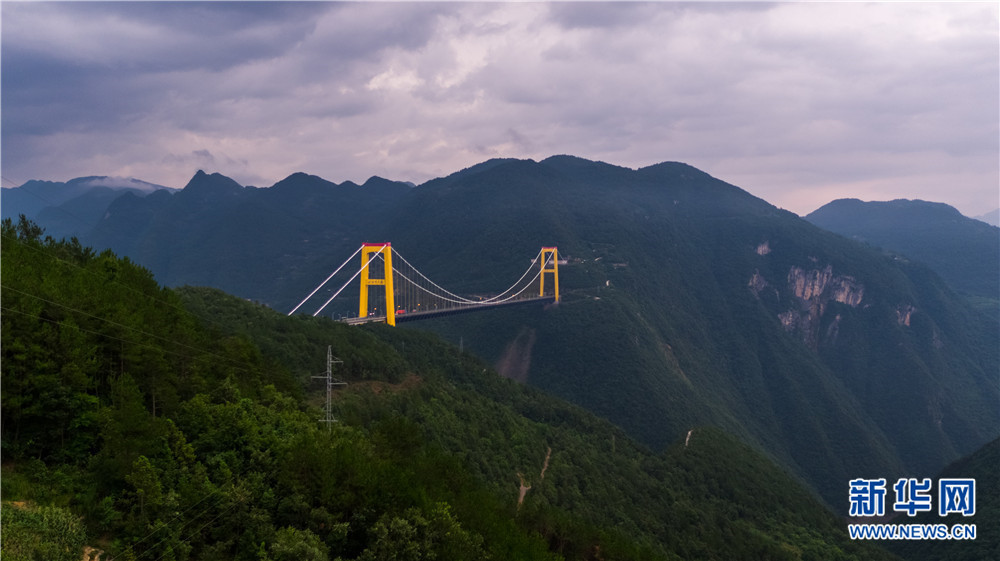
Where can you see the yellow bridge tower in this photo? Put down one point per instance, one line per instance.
(550, 266)
(366, 280)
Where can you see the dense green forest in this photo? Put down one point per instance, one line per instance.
(984, 467)
(153, 423)
(686, 301)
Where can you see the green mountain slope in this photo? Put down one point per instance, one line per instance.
(982, 467)
(687, 302)
(964, 251)
(154, 432)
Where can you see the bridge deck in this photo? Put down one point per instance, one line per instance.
(414, 316)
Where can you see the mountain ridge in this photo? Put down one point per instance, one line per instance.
(964, 251)
(687, 301)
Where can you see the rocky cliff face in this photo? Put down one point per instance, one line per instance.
(811, 291)
(758, 283)
(904, 313)
(818, 285)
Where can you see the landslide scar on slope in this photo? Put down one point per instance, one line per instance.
(516, 358)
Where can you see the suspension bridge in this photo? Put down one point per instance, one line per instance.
(392, 290)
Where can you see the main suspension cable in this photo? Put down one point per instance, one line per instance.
(461, 299)
(378, 254)
(326, 281)
(526, 271)
(466, 301)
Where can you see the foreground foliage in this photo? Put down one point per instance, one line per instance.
(45, 533)
(151, 432)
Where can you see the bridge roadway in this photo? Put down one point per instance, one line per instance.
(414, 316)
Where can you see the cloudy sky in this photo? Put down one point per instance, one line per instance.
(797, 103)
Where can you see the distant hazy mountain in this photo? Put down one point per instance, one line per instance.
(686, 301)
(964, 251)
(72, 207)
(992, 218)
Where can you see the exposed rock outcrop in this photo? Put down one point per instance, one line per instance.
(819, 284)
(757, 283)
(813, 290)
(904, 313)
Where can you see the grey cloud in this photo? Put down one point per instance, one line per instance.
(203, 155)
(358, 30)
(159, 36)
(237, 168)
(573, 15)
(619, 15)
(58, 88)
(409, 90)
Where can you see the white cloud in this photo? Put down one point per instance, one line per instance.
(122, 183)
(392, 79)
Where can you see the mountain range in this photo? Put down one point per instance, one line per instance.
(142, 422)
(687, 301)
(964, 251)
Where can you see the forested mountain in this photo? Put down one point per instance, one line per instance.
(686, 302)
(155, 424)
(964, 251)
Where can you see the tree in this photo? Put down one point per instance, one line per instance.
(292, 544)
